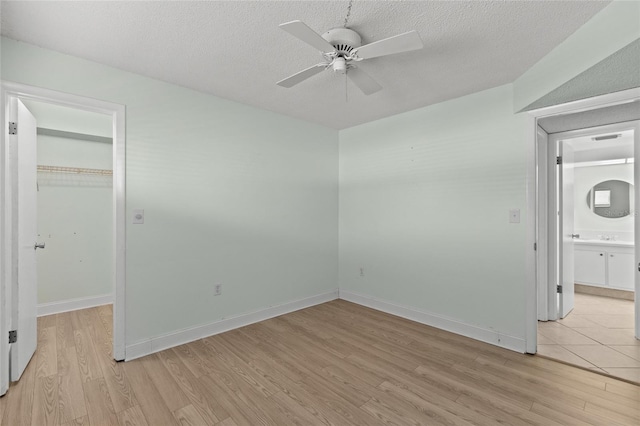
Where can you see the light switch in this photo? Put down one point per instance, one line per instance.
(138, 216)
(514, 216)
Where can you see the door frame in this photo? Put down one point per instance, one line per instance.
(542, 236)
(9, 90)
(536, 189)
(551, 185)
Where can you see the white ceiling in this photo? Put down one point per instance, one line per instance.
(235, 50)
(587, 149)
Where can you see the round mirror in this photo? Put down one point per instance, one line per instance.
(611, 199)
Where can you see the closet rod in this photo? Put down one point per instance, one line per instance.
(77, 170)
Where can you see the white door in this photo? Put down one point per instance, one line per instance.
(566, 231)
(24, 287)
(636, 238)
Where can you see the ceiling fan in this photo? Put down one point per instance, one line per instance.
(342, 48)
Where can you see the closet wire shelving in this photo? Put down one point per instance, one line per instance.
(73, 176)
(78, 170)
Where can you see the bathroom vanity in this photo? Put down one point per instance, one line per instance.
(605, 263)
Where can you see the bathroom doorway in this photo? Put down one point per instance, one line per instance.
(590, 320)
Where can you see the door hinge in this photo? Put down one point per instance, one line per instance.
(535, 246)
(13, 336)
(558, 160)
(13, 128)
(559, 288)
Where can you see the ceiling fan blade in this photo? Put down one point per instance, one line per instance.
(302, 75)
(363, 80)
(300, 30)
(388, 46)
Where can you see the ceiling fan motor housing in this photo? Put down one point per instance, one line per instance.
(343, 39)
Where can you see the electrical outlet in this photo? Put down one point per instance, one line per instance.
(361, 271)
(218, 290)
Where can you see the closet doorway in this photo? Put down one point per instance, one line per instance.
(62, 193)
(74, 197)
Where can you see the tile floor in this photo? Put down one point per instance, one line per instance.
(597, 334)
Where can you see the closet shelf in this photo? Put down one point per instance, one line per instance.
(75, 170)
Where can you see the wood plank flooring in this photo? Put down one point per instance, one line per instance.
(334, 364)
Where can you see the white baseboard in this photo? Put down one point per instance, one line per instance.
(156, 344)
(181, 337)
(73, 304)
(454, 326)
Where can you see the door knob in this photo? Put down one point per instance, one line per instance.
(575, 235)
(37, 246)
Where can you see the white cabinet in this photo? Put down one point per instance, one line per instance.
(621, 270)
(605, 264)
(590, 267)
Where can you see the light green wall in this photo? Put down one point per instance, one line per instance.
(232, 195)
(249, 199)
(425, 195)
(424, 209)
(613, 28)
(75, 221)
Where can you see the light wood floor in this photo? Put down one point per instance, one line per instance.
(334, 364)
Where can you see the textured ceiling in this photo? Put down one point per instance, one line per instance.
(612, 74)
(235, 50)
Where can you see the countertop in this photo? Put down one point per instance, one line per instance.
(608, 243)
